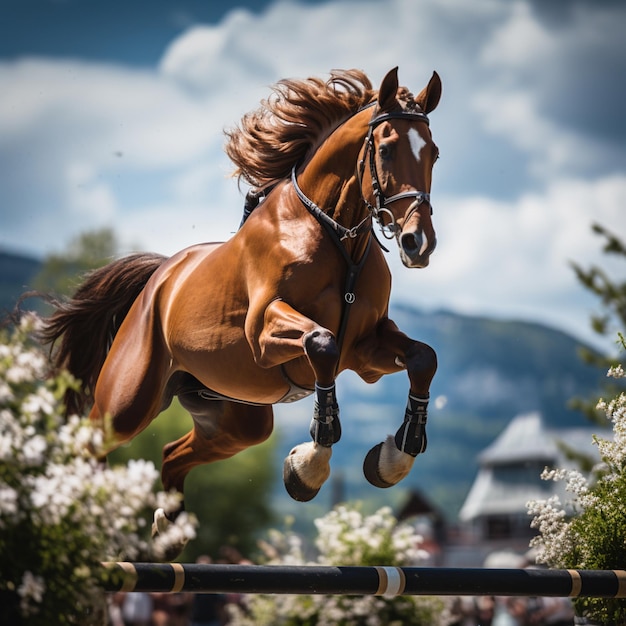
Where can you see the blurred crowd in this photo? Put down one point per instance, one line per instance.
(512, 611)
(210, 609)
(168, 609)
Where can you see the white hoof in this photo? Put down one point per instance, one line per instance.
(160, 523)
(306, 469)
(385, 465)
(173, 546)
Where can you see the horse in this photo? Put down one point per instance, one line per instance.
(297, 295)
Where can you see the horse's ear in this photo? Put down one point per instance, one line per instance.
(388, 91)
(428, 98)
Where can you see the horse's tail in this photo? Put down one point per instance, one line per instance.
(83, 327)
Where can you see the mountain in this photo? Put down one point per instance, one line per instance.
(489, 372)
(16, 274)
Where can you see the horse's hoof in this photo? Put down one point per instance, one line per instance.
(306, 469)
(294, 486)
(370, 468)
(385, 465)
(160, 524)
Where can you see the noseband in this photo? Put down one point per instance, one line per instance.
(379, 209)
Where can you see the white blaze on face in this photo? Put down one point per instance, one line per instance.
(417, 143)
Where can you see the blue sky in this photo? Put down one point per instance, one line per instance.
(112, 114)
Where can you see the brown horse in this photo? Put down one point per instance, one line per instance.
(297, 295)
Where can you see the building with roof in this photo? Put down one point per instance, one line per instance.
(494, 515)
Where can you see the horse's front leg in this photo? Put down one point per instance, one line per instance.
(307, 466)
(387, 351)
(287, 334)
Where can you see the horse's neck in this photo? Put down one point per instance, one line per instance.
(337, 193)
(331, 182)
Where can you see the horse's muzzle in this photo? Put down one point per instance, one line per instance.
(416, 248)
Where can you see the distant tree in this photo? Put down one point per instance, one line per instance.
(611, 320)
(61, 272)
(612, 293)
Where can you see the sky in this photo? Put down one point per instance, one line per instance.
(112, 114)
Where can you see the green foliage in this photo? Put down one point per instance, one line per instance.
(603, 528)
(612, 293)
(60, 273)
(231, 498)
(612, 317)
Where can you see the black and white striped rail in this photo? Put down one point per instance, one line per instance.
(382, 581)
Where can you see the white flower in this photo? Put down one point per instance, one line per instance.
(30, 322)
(559, 539)
(31, 590)
(8, 504)
(5, 392)
(42, 401)
(32, 452)
(345, 537)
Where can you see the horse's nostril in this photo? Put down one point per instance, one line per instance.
(410, 242)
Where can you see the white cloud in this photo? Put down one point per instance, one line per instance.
(168, 228)
(71, 131)
(521, 41)
(94, 110)
(88, 195)
(513, 258)
(551, 85)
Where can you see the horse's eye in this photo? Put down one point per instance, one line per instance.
(384, 150)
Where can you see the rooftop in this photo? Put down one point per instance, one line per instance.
(510, 468)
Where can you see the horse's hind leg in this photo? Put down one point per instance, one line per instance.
(221, 430)
(131, 389)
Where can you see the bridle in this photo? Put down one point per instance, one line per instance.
(379, 209)
(381, 202)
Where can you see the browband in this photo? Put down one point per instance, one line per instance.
(395, 115)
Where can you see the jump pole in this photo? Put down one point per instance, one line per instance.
(381, 581)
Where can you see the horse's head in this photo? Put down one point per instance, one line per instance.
(396, 165)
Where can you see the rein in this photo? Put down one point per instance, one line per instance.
(338, 231)
(338, 234)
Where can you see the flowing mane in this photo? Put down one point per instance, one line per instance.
(291, 121)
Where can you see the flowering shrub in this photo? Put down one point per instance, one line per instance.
(61, 512)
(594, 537)
(345, 537)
